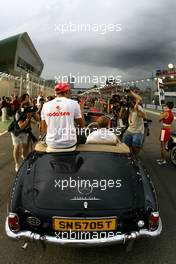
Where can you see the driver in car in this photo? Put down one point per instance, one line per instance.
(59, 117)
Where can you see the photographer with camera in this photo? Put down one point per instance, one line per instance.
(134, 134)
(21, 129)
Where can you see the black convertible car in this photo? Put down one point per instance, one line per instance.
(93, 195)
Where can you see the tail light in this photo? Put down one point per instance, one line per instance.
(154, 221)
(13, 222)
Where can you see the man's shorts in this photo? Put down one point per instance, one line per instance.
(165, 134)
(133, 139)
(22, 138)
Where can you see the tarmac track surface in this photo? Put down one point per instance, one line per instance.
(161, 250)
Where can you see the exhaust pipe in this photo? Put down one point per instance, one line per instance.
(129, 241)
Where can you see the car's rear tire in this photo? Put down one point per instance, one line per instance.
(173, 155)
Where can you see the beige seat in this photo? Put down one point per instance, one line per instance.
(119, 148)
(41, 146)
(51, 150)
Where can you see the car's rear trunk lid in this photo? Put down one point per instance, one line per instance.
(85, 180)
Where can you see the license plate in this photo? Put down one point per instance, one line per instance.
(86, 224)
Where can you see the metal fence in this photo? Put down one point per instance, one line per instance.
(13, 85)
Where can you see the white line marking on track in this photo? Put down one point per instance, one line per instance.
(3, 133)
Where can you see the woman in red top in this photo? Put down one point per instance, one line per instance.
(166, 118)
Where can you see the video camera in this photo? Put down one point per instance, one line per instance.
(119, 102)
(127, 90)
(126, 101)
(26, 110)
(115, 99)
(76, 98)
(29, 109)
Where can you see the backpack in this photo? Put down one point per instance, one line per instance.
(14, 127)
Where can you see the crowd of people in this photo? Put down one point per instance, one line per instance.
(57, 118)
(8, 106)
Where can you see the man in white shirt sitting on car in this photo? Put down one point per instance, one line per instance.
(58, 117)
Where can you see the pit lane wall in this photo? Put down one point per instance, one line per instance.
(155, 109)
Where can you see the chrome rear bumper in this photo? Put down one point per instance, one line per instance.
(118, 239)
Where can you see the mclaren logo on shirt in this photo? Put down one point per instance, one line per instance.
(58, 112)
(58, 108)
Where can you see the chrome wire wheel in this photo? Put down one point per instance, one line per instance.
(173, 155)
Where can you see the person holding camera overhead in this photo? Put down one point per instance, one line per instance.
(134, 134)
(22, 129)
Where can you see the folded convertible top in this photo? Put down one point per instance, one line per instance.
(119, 148)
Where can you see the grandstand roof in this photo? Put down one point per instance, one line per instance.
(9, 52)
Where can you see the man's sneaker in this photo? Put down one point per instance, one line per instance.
(17, 166)
(163, 162)
(22, 157)
(159, 160)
